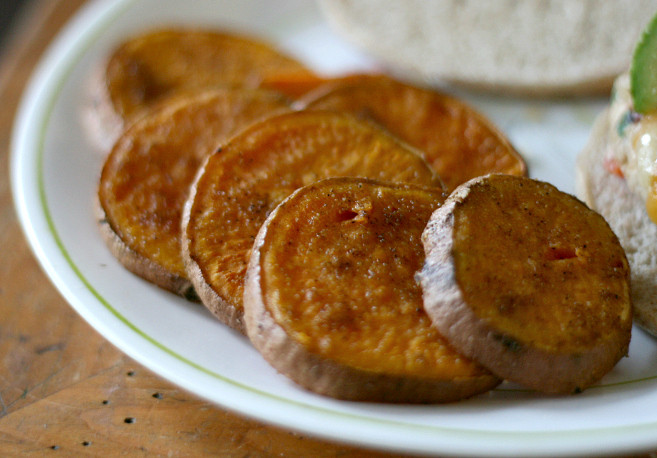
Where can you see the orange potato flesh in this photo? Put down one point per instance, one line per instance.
(338, 275)
(297, 84)
(555, 276)
(457, 141)
(155, 64)
(529, 282)
(259, 168)
(145, 180)
(292, 84)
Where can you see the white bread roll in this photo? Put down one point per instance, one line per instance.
(537, 47)
(625, 212)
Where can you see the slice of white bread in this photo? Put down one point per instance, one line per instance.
(531, 46)
(625, 212)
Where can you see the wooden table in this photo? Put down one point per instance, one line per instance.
(64, 388)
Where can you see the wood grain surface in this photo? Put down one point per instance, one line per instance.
(63, 388)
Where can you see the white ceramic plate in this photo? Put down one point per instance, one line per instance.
(54, 172)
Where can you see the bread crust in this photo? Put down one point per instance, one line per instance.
(536, 48)
(568, 356)
(341, 376)
(625, 211)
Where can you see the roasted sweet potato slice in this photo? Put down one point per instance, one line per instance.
(331, 301)
(298, 85)
(529, 282)
(145, 179)
(458, 142)
(151, 66)
(238, 187)
(156, 63)
(293, 84)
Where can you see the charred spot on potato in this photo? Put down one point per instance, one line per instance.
(509, 342)
(346, 215)
(559, 253)
(191, 295)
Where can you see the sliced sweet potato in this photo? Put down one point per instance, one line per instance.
(458, 142)
(145, 179)
(153, 65)
(529, 282)
(298, 85)
(238, 187)
(331, 301)
(150, 65)
(293, 84)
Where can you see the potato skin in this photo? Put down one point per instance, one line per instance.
(140, 265)
(333, 376)
(102, 124)
(328, 378)
(568, 366)
(222, 309)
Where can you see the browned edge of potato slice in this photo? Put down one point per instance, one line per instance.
(458, 141)
(237, 188)
(293, 84)
(145, 179)
(529, 282)
(331, 300)
(152, 65)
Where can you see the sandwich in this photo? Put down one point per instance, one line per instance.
(617, 172)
